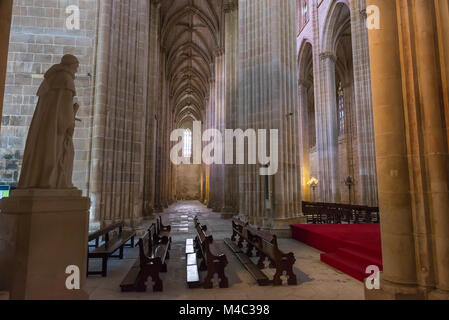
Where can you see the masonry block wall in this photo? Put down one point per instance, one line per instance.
(39, 38)
(112, 87)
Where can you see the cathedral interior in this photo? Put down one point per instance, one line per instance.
(357, 92)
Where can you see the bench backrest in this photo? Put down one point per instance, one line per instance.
(237, 222)
(144, 248)
(203, 234)
(263, 240)
(105, 231)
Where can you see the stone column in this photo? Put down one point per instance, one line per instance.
(304, 138)
(442, 19)
(99, 163)
(153, 99)
(231, 92)
(408, 71)
(398, 245)
(327, 129)
(219, 125)
(268, 93)
(435, 145)
(363, 104)
(5, 27)
(212, 125)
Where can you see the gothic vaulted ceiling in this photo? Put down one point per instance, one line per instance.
(190, 36)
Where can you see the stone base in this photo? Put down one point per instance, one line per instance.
(150, 217)
(389, 291)
(42, 232)
(227, 213)
(392, 291)
(4, 296)
(438, 295)
(282, 227)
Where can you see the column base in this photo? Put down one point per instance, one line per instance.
(42, 233)
(227, 213)
(393, 291)
(158, 208)
(438, 295)
(282, 227)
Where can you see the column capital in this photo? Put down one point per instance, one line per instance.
(328, 55)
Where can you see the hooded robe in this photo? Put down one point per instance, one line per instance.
(49, 151)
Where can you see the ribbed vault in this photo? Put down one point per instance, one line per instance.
(190, 35)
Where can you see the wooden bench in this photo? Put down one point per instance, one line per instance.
(193, 276)
(162, 230)
(153, 253)
(267, 247)
(213, 259)
(110, 246)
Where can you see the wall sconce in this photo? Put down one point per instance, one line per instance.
(313, 183)
(349, 182)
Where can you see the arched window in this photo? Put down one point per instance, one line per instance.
(341, 109)
(187, 150)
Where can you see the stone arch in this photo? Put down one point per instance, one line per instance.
(339, 13)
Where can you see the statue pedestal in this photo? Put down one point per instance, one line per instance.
(42, 232)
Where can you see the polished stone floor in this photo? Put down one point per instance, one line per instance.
(316, 279)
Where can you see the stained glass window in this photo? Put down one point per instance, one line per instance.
(187, 150)
(305, 11)
(341, 109)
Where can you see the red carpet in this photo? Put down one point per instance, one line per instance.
(349, 248)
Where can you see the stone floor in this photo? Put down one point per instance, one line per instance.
(316, 279)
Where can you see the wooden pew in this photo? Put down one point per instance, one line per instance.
(153, 253)
(110, 246)
(193, 276)
(266, 246)
(213, 259)
(240, 233)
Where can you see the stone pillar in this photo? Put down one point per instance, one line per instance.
(231, 94)
(304, 137)
(42, 232)
(442, 19)
(398, 249)
(5, 27)
(363, 104)
(268, 94)
(153, 100)
(118, 133)
(411, 150)
(327, 129)
(212, 125)
(220, 126)
(435, 145)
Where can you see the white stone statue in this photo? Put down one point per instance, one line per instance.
(49, 151)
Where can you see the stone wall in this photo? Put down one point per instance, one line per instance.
(39, 38)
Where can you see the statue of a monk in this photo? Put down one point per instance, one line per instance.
(49, 151)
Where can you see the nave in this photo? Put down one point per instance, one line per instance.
(316, 280)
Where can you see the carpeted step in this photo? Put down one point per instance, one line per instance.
(355, 270)
(359, 257)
